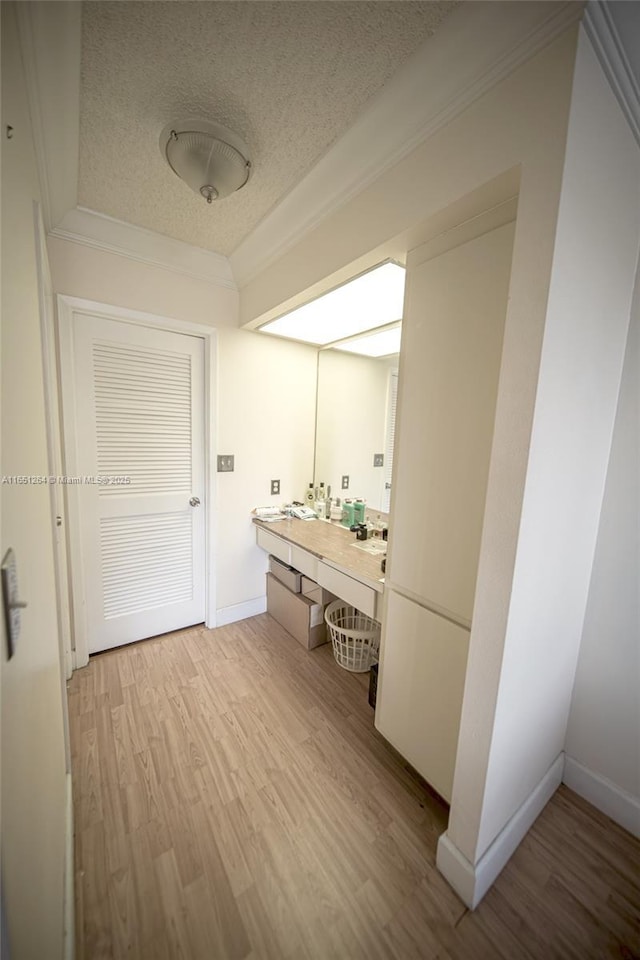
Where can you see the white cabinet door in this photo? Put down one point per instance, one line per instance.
(422, 671)
(139, 432)
(455, 309)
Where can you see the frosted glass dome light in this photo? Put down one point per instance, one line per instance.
(211, 159)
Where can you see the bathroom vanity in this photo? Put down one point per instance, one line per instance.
(329, 554)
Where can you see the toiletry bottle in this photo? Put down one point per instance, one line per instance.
(336, 510)
(358, 511)
(327, 502)
(309, 498)
(347, 513)
(321, 502)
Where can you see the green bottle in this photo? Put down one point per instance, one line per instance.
(347, 513)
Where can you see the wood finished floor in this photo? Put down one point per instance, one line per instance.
(233, 800)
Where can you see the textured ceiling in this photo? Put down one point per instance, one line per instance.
(289, 77)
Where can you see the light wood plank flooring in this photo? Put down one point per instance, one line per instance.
(233, 800)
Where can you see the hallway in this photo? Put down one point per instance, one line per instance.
(233, 800)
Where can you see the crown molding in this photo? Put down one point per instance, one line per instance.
(609, 48)
(50, 43)
(92, 229)
(477, 46)
(50, 37)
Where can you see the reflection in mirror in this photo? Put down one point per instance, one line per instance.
(355, 421)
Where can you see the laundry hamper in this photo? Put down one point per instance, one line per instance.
(355, 636)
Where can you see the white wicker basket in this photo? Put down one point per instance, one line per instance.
(354, 635)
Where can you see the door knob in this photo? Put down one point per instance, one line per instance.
(195, 501)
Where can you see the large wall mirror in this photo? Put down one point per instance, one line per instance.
(355, 425)
(357, 327)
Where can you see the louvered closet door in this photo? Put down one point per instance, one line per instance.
(140, 433)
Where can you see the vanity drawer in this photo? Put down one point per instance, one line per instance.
(304, 561)
(346, 588)
(274, 545)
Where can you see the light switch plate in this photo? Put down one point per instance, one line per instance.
(345, 481)
(378, 459)
(225, 462)
(275, 487)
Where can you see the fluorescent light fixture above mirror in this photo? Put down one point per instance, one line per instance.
(381, 344)
(371, 300)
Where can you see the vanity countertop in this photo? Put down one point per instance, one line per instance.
(333, 543)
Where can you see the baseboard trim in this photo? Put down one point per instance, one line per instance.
(610, 799)
(241, 611)
(69, 951)
(472, 881)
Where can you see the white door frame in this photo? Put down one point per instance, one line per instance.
(68, 308)
(54, 450)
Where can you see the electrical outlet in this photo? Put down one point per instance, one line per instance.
(345, 481)
(275, 487)
(378, 459)
(225, 462)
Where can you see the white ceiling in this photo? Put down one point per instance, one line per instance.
(289, 77)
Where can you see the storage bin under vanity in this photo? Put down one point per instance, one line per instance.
(297, 603)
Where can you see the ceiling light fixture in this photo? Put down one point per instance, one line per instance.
(384, 343)
(211, 159)
(372, 299)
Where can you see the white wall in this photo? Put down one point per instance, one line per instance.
(267, 397)
(603, 736)
(580, 370)
(97, 274)
(33, 756)
(351, 422)
(265, 390)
